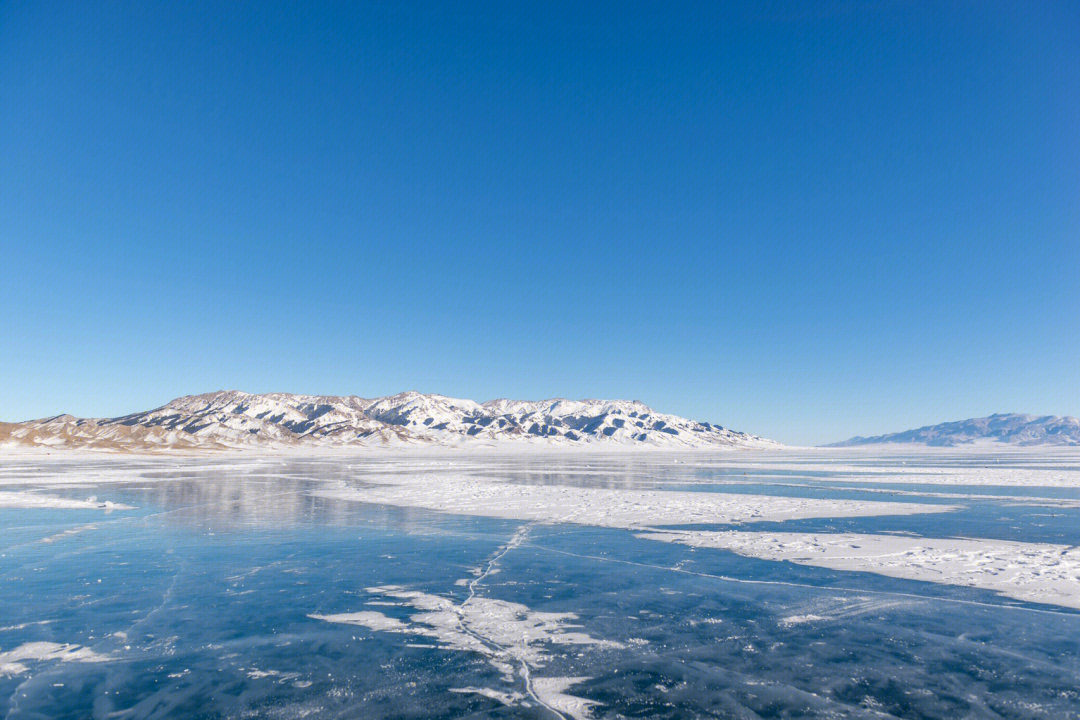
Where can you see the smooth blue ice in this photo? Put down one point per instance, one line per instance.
(198, 603)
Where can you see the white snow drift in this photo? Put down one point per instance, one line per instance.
(602, 507)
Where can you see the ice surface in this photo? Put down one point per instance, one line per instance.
(428, 585)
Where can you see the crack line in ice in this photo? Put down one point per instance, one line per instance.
(518, 538)
(508, 634)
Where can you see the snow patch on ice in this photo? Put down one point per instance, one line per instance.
(507, 633)
(12, 662)
(552, 691)
(28, 499)
(506, 698)
(799, 619)
(365, 618)
(1033, 572)
(603, 507)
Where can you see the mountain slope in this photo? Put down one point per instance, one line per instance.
(1004, 428)
(234, 419)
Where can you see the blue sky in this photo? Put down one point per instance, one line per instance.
(803, 220)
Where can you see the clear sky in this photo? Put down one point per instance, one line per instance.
(804, 220)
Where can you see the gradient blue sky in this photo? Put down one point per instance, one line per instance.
(802, 220)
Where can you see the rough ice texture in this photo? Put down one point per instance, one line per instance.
(1035, 572)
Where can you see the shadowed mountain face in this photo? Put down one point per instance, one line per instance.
(234, 419)
(1005, 428)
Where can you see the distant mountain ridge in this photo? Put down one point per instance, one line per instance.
(234, 419)
(1003, 428)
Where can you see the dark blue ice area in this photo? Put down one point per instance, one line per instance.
(199, 601)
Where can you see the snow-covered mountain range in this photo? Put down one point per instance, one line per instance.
(1003, 428)
(234, 419)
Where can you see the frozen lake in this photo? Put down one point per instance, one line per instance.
(742, 585)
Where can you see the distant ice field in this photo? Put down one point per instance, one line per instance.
(748, 584)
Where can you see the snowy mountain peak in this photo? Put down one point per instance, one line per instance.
(235, 419)
(1001, 428)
